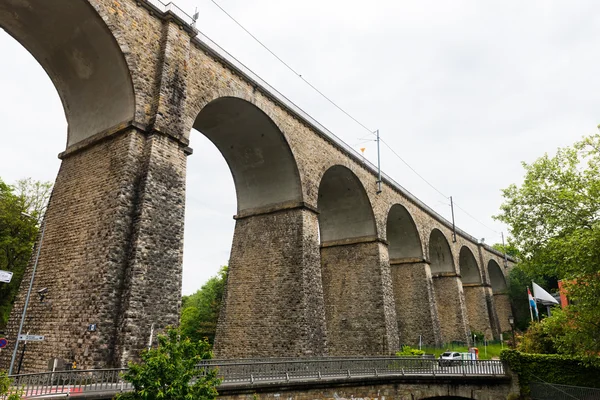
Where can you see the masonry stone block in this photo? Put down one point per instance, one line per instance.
(416, 308)
(477, 309)
(359, 308)
(273, 305)
(451, 308)
(503, 310)
(88, 249)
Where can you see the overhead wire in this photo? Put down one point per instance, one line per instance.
(371, 131)
(291, 69)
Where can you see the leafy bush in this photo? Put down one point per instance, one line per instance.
(537, 340)
(552, 368)
(5, 388)
(409, 351)
(170, 371)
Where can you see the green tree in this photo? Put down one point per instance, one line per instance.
(170, 371)
(510, 249)
(554, 220)
(18, 233)
(200, 311)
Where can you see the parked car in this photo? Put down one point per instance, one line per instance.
(450, 358)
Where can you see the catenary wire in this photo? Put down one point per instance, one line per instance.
(292, 69)
(345, 112)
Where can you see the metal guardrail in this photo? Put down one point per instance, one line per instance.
(306, 370)
(249, 372)
(69, 382)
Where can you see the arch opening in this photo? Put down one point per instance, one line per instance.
(82, 58)
(402, 234)
(260, 160)
(469, 270)
(497, 279)
(345, 211)
(440, 254)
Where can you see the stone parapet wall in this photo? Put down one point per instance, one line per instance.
(382, 388)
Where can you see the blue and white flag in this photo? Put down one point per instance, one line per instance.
(532, 304)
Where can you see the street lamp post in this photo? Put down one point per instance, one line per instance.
(511, 321)
(37, 257)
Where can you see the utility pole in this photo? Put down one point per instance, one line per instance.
(453, 224)
(37, 257)
(378, 165)
(504, 248)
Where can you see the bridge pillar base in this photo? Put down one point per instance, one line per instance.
(416, 310)
(503, 310)
(112, 244)
(451, 307)
(360, 312)
(273, 304)
(477, 309)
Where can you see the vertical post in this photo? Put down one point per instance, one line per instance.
(504, 249)
(453, 224)
(151, 336)
(37, 257)
(22, 356)
(378, 165)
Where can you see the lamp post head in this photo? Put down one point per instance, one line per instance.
(511, 320)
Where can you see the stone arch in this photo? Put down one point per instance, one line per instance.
(264, 170)
(469, 270)
(497, 279)
(82, 58)
(345, 211)
(501, 301)
(411, 280)
(353, 260)
(440, 253)
(476, 297)
(402, 234)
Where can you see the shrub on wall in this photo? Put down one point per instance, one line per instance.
(552, 368)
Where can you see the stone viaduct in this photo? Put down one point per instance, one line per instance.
(321, 264)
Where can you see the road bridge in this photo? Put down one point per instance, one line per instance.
(322, 262)
(327, 377)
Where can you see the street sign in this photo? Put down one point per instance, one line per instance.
(5, 276)
(32, 338)
(3, 343)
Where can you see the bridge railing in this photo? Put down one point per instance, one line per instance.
(251, 371)
(69, 382)
(244, 372)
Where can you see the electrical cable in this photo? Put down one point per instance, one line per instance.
(345, 112)
(291, 69)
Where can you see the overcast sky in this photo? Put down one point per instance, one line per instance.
(462, 90)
